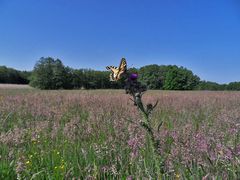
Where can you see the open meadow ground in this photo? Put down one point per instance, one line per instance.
(14, 86)
(95, 134)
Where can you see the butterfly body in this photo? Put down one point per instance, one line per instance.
(117, 72)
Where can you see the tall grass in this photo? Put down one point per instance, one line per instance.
(95, 135)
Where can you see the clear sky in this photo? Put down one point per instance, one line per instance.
(202, 35)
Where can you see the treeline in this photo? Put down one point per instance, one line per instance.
(212, 86)
(12, 76)
(49, 73)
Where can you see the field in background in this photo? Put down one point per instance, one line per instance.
(14, 86)
(95, 135)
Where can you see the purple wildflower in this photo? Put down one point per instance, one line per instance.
(201, 142)
(130, 178)
(133, 76)
(238, 150)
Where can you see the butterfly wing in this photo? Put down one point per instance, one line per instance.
(117, 72)
(114, 72)
(122, 68)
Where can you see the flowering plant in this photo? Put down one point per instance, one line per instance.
(136, 90)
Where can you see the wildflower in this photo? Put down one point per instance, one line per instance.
(58, 152)
(228, 153)
(136, 90)
(105, 168)
(20, 165)
(238, 150)
(134, 146)
(129, 178)
(62, 166)
(134, 87)
(177, 176)
(34, 141)
(133, 76)
(27, 162)
(202, 143)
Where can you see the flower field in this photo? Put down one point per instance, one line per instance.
(95, 134)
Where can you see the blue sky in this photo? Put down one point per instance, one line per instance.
(201, 35)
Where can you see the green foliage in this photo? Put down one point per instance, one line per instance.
(168, 77)
(49, 73)
(52, 74)
(234, 86)
(12, 76)
(153, 76)
(87, 135)
(212, 86)
(180, 79)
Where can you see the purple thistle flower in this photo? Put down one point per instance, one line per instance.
(133, 76)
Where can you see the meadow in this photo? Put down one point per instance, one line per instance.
(95, 134)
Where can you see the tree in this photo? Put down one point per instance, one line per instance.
(150, 76)
(3, 74)
(180, 79)
(234, 86)
(13, 76)
(69, 75)
(49, 74)
(59, 75)
(212, 86)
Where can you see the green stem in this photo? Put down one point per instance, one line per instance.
(146, 124)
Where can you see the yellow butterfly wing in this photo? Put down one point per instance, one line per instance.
(117, 72)
(114, 71)
(122, 68)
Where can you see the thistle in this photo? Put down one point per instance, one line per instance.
(136, 90)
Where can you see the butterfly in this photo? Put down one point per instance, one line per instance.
(117, 72)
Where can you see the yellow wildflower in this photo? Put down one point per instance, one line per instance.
(177, 176)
